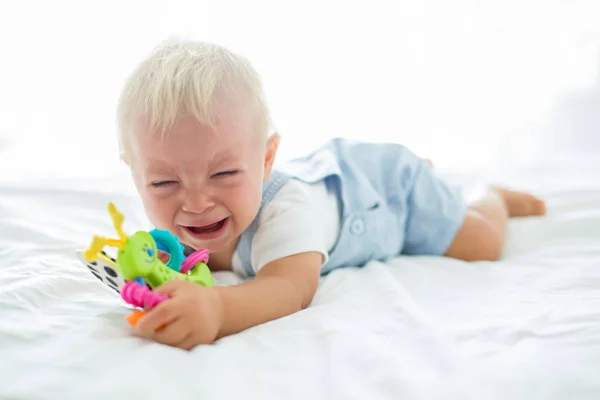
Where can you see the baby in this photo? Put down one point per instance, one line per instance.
(196, 134)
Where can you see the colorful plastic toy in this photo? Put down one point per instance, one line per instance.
(139, 269)
(166, 242)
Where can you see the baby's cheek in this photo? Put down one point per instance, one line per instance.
(247, 201)
(159, 213)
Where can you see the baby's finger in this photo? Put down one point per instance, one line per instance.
(172, 334)
(187, 343)
(170, 288)
(161, 315)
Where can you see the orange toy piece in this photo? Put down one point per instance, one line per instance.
(135, 316)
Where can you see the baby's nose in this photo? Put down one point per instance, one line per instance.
(197, 202)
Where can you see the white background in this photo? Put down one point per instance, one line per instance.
(474, 85)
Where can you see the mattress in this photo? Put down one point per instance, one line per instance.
(527, 327)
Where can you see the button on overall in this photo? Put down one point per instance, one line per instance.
(357, 226)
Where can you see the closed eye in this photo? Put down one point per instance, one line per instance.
(158, 184)
(225, 174)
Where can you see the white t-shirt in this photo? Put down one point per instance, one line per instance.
(301, 217)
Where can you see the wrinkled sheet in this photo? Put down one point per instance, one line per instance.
(527, 327)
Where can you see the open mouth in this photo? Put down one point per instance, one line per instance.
(207, 230)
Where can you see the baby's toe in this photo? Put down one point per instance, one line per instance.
(538, 206)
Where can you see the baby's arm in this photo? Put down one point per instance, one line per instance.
(195, 315)
(288, 251)
(281, 288)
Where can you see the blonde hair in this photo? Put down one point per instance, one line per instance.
(183, 77)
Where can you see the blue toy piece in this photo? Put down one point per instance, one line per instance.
(168, 243)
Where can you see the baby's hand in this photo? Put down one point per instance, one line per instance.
(192, 315)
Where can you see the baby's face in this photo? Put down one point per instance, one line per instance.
(203, 186)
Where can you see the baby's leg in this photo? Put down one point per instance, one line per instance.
(481, 236)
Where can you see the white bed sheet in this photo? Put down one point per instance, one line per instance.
(527, 327)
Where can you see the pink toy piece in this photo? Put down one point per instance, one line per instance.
(140, 296)
(196, 257)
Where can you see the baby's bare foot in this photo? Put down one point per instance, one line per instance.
(428, 162)
(521, 204)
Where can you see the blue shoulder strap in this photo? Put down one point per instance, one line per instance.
(244, 247)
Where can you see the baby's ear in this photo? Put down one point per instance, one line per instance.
(272, 146)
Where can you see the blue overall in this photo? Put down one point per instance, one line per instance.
(391, 203)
